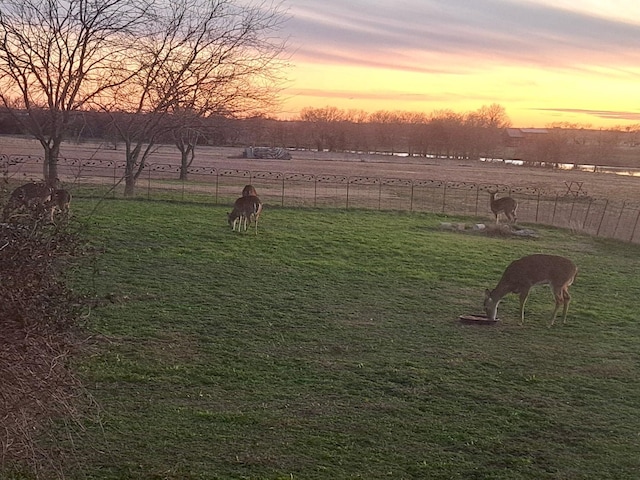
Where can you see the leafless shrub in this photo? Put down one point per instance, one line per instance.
(39, 394)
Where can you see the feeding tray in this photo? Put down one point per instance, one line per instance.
(480, 319)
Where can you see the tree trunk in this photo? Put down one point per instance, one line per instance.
(129, 176)
(186, 159)
(50, 165)
(129, 184)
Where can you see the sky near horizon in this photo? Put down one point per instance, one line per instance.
(544, 61)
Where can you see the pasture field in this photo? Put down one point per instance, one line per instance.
(328, 347)
(598, 185)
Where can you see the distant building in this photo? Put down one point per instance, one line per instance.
(519, 140)
(515, 137)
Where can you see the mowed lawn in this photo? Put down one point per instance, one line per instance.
(328, 346)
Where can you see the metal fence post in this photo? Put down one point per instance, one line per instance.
(477, 199)
(586, 215)
(411, 200)
(615, 230)
(444, 196)
(602, 218)
(217, 186)
(573, 206)
(148, 183)
(115, 181)
(348, 182)
(283, 182)
(633, 233)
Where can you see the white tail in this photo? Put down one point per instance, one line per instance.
(524, 273)
(249, 190)
(245, 210)
(506, 205)
(33, 197)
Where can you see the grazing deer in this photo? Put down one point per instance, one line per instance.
(249, 190)
(245, 209)
(60, 200)
(32, 196)
(506, 205)
(522, 274)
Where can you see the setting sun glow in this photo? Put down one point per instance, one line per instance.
(543, 62)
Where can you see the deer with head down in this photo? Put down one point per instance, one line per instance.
(506, 205)
(522, 274)
(245, 210)
(32, 197)
(60, 201)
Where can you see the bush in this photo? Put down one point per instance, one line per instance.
(38, 336)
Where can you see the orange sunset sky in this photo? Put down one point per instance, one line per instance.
(544, 61)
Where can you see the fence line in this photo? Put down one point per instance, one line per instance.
(578, 212)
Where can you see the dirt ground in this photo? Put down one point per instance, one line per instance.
(614, 187)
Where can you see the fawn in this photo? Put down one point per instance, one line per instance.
(245, 209)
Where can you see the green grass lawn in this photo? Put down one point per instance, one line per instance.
(328, 347)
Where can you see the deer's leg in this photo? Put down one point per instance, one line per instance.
(566, 300)
(560, 300)
(523, 300)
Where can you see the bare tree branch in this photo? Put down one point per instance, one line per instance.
(198, 58)
(56, 56)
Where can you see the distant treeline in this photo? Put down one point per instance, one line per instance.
(485, 133)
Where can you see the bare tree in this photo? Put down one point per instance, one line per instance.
(324, 126)
(483, 130)
(58, 55)
(201, 57)
(186, 136)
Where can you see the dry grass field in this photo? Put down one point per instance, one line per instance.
(598, 185)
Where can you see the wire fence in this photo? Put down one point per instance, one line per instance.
(573, 210)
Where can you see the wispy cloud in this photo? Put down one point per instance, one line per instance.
(408, 34)
(387, 95)
(604, 114)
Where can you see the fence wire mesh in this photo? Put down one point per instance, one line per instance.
(574, 210)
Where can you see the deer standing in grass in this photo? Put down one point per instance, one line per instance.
(60, 200)
(245, 209)
(33, 197)
(524, 273)
(506, 205)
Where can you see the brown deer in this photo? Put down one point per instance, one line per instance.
(245, 209)
(506, 205)
(33, 197)
(524, 273)
(249, 190)
(60, 200)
